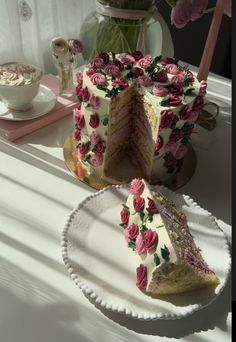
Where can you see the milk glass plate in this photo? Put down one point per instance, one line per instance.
(43, 102)
(96, 256)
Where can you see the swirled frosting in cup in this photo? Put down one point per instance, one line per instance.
(17, 74)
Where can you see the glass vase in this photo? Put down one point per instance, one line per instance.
(138, 27)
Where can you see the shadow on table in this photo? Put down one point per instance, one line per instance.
(214, 315)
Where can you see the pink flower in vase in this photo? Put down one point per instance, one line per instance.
(185, 11)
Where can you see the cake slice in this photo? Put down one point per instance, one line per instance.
(168, 258)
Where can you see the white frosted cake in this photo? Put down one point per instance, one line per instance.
(168, 260)
(136, 115)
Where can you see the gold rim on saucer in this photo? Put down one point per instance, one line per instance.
(78, 169)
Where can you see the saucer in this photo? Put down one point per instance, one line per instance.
(44, 101)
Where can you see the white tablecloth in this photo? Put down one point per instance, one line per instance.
(38, 300)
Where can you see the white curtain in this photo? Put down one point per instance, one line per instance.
(27, 27)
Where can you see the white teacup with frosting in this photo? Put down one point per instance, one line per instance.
(19, 84)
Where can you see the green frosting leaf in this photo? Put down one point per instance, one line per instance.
(125, 206)
(156, 259)
(123, 225)
(105, 121)
(189, 91)
(143, 229)
(165, 253)
(132, 244)
(164, 101)
(142, 215)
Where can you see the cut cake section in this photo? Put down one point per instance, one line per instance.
(168, 258)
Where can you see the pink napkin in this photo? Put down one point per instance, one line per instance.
(13, 130)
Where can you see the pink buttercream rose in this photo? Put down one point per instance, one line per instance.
(202, 88)
(136, 72)
(184, 113)
(172, 69)
(100, 147)
(79, 118)
(120, 82)
(145, 62)
(198, 103)
(178, 79)
(112, 70)
(159, 143)
(126, 235)
(181, 152)
(138, 203)
(94, 120)
(174, 100)
(97, 159)
(94, 102)
(118, 63)
(98, 79)
(140, 248)
(152, 206)
(141, 276)
(176, 135)
(177, 89)
(160, 76)
(145, 81)
(137, 55)
(170, 146)
(193, 116)
(78, 89)
(82, 150)
(104, 56)
(167, 117)
(127, 58)
(133, 231)
(90, 72)
(95, 138)
(85, 94)
(159, 90)
(150, 239)
(77, 135)
(124, 216)
(136, 187)
(97, 63)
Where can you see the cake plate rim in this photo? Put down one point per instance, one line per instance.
(67, 250)
(74, 165)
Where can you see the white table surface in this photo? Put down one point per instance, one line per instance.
(38, 300)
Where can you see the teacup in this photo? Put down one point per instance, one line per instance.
(19, 84)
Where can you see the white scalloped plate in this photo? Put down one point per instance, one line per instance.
(96, 256)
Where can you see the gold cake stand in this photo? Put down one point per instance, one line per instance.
(77, 168)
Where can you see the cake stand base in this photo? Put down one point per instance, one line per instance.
(77, 168)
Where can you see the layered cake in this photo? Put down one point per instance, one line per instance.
(168, 260)
(136, 116)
